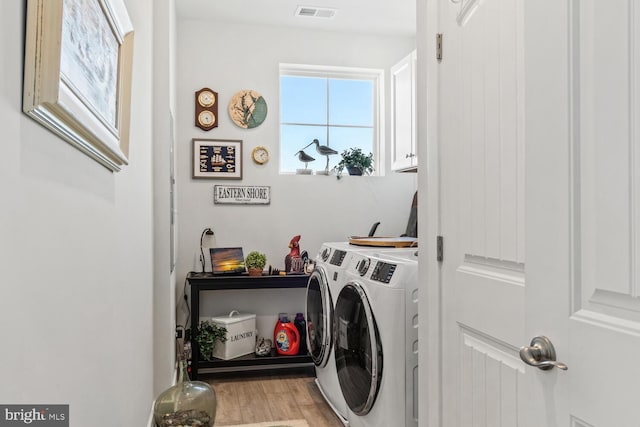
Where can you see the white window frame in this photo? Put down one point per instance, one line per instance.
(375, 75)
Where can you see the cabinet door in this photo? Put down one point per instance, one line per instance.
(403, 134)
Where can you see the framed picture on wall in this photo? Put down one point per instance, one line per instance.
(77, 74)
(217, 158)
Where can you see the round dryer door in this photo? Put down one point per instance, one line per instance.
(319, 317)
(358, 351)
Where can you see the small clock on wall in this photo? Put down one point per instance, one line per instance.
(260, 155)
(206, 109)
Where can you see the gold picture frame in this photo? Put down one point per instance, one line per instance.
(77, 74)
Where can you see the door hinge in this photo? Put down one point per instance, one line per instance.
(439, 47)
(439, 248)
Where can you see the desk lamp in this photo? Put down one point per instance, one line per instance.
(209, 232)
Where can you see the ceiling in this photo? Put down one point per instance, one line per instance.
(382, 17)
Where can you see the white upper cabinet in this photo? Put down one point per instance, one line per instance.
(403, 114)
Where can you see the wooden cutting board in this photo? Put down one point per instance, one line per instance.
(386, 242)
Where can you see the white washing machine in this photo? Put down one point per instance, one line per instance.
(376, 345)
(323, 286)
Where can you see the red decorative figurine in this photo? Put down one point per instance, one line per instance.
(293, 262)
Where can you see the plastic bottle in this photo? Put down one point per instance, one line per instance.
(301, 326)
(286, 337)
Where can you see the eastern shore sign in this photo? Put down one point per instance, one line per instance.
(241, 195)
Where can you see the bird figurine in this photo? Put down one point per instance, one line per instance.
(324, 151)
(293, 261)
(304, 157)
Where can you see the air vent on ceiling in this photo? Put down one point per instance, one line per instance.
(315, 12)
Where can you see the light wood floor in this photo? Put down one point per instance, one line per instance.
(268, 397)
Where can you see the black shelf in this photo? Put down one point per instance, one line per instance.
(251, 362)
(208, 282)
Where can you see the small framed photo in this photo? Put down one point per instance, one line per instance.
(217, 158)
(227, 260)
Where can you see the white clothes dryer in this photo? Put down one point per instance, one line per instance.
(376, 345)
(323, 286)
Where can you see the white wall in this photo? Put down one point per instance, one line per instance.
(231, 57)
(75, 253)
(164, 350)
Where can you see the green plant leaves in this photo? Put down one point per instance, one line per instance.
(206, 336)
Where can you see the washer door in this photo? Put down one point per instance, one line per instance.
(319, 317)
(358, 350)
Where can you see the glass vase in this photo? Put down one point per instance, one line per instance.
(188, 403)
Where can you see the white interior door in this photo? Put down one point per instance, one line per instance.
(481, 145)
(579, 207)
(583, 208)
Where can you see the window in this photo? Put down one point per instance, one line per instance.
(340, 107)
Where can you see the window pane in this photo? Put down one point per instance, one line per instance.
(293, 139)
(331, 104)
(345, 138)
(351, 102)
(303, 100)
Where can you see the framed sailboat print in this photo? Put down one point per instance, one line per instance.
(217, 158)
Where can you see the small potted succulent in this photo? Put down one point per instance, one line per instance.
(255, 263)
(207, 335)
(355, 161)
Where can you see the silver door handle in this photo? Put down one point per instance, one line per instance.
(541, 354)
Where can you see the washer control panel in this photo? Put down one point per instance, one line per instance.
(338, 257)
(383, 271)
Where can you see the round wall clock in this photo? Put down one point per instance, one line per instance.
(260, 155)
(206, 109)
(247, 109)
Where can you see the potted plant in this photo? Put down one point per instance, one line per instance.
(355, 161)
(207, 335)
(255, 263)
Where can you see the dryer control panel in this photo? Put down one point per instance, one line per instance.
(383, 272)
(363, 266)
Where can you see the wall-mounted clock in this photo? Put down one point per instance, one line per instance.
(247, 109)
(206, 109)
(260, 155)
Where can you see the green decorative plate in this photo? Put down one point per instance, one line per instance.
(247, 109)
